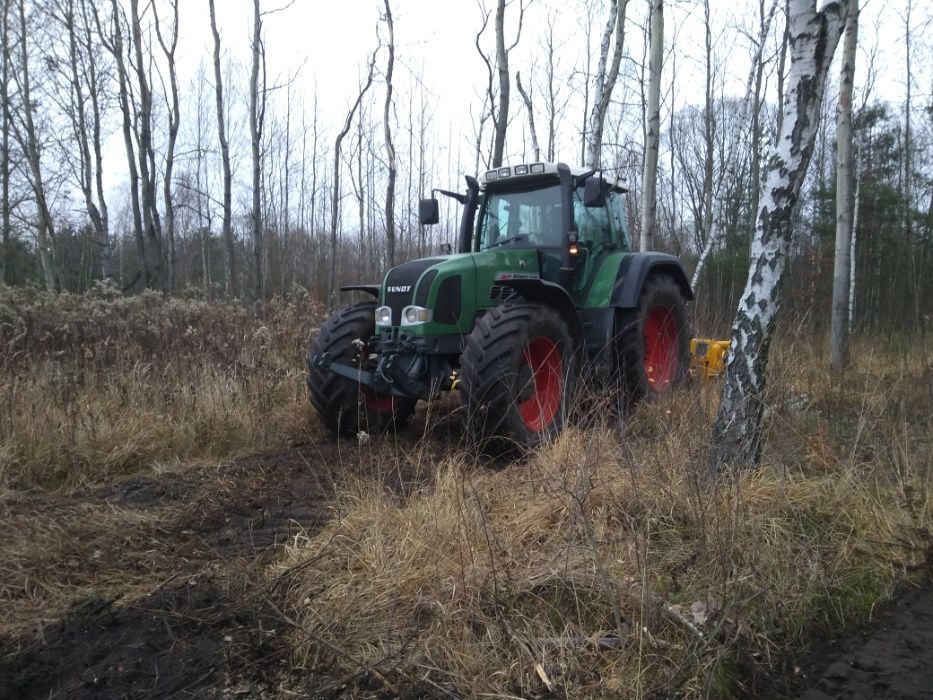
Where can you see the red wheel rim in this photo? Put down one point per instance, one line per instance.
(660, 348)
(379, 403)
(543, 359)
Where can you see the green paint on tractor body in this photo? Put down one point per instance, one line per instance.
(543, 280)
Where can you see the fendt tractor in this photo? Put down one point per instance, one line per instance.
(544, 290)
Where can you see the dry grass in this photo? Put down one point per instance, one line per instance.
(603, 566)
(97, 385)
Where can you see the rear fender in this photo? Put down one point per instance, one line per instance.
(636, 268)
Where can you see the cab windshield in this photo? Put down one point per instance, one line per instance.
(529, 218)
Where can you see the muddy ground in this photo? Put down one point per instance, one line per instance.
(157, 586)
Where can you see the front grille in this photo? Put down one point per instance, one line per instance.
(500, 292)
(404, 277)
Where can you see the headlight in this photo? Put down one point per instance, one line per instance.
(413, 315)
(384, 317)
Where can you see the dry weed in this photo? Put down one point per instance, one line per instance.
(602, 566)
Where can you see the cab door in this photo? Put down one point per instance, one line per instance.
(595, 239)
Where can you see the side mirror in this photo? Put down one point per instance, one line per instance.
(428, 212)
(446, 248)
(593, 193)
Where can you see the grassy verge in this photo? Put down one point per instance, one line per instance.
(97, 385)
(601, 566)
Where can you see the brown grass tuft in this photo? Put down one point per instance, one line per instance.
(602, 562)
(97, 385)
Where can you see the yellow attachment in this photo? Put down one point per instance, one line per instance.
(708, 356)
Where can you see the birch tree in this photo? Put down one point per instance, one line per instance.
(839, 334)
(605, 79)
(649, 180)
(737, 431)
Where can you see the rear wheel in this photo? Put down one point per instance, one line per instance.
(345, 406)
(515, 374)
(653, 341)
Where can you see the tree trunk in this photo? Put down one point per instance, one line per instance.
(173, 121)
(335, 201)
(852, 241)
(45, 232)
(6, 125)
(390, 147)
(649, 180)
(839, 334)
(227, 228)
(502, 66)
(256, 111)
(737, 432)
(153, 247)
(526, 98)
(604, 82)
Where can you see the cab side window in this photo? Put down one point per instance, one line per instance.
(618, 220)
(592, 222)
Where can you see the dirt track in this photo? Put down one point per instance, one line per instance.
(890, 657)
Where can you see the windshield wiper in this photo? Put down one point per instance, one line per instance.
(510, 239)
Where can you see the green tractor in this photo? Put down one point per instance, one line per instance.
(543, 291)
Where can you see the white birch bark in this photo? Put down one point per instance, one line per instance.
(604, 81)
(839, 333)
(737, 432)
(852, 241)
(737, 143)
(649, 180)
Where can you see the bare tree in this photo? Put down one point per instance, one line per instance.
(390, 147)
(227, 228)
(335, 200)
(649, 181)
(839, 335)
(143, 121)
(501, 116)
(29, 142)
(737, 432)
(257, 111)
(526, 98)
(113, 42)
(738, 139)
(604, 81)
(169, 49)
(5, 125)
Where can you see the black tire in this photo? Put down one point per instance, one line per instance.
(653, 341)
(344, 406)
(516, 373)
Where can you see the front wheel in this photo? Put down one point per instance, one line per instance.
(515, 375)
(345, 406)
(653, 340)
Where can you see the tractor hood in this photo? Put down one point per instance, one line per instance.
(455, 287)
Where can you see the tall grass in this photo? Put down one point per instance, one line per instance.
(100, 384)
(603, 566)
